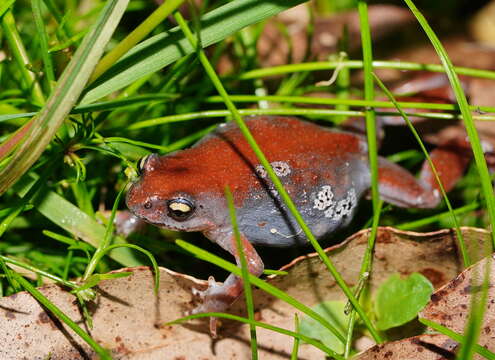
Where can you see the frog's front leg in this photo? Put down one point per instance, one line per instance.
(218, 297)
(401, 188)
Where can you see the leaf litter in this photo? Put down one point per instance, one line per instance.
(130, 321)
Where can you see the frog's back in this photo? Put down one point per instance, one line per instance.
(324, 171)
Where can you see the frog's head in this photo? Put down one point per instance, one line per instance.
(165, 197)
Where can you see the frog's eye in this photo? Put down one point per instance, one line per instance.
(180, 209)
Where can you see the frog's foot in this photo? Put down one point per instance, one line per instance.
(216, 298)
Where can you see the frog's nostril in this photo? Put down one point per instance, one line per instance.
(147, 205)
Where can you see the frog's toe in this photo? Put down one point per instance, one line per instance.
(212, 287)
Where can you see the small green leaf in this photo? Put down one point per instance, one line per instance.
(333, 311)
(398, 300)
(95, 279)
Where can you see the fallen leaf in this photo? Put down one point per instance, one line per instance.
(449, 305)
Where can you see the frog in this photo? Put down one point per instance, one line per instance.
(325, 171)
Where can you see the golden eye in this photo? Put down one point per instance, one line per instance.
(180, 209)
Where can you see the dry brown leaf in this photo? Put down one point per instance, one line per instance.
(128, 318)
(449, 306)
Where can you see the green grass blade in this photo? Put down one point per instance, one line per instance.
(41, 30)
(65, 94)
(105, 242)
(163, 49)
(21, 57)
(37, 271)
(369, 95)
(345, 102)
(437, 217)
(358, 64)
(248, 294)
(295, 335)
(295, 347)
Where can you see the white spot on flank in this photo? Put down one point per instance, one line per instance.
(324, 198)
(281, 168)
(335, 210)
(260, 170)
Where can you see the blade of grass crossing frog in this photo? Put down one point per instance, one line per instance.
(48, 305)
(466, 114)
(65, 94)
(465, 255)
(276, 181)
(248, 294)
(163, 49)
(295, 335)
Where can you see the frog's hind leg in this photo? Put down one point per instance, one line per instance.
(401, 188)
